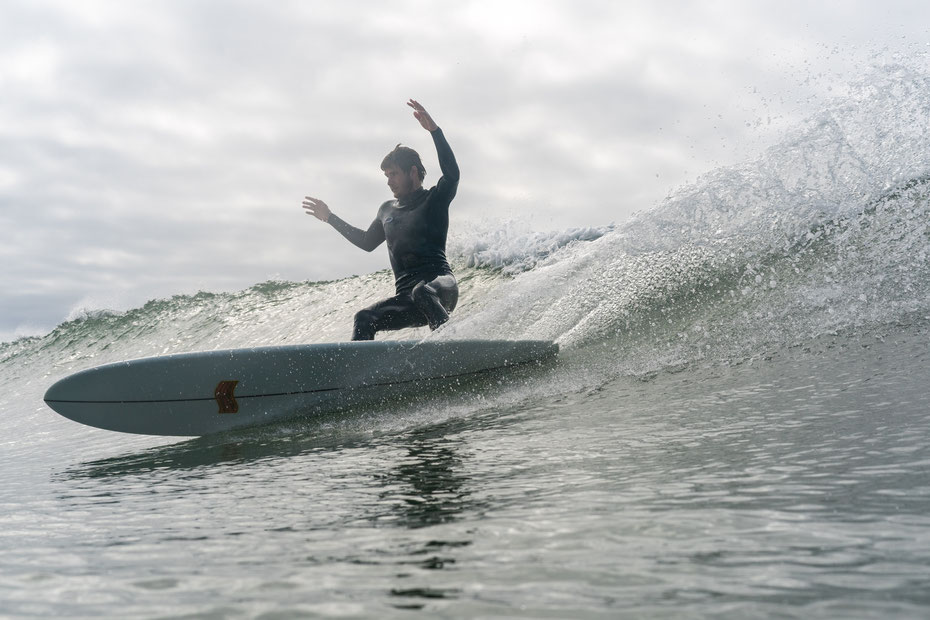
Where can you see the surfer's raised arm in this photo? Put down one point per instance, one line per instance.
(447, 164)
(367, 240)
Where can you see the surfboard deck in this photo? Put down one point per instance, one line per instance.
(192, 394)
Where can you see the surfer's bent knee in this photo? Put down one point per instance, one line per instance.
(436, 299)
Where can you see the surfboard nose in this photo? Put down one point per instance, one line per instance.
(62, 397)
(70, 389)
(57, 392)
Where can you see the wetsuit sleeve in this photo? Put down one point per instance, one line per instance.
(368, 240)
(449, 182)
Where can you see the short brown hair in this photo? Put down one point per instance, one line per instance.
(404, 158)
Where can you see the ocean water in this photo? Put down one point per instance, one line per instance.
(737, 426)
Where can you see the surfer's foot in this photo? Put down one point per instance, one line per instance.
(436, 321)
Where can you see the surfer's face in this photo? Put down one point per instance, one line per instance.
(401, 183)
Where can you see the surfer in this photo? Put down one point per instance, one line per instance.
(415, 225)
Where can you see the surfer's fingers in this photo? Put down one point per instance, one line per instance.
(314, 203)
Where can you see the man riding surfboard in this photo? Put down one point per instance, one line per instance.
(414, 225)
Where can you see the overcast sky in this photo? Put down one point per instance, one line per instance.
(155, 148)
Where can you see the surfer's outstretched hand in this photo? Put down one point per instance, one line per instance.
(423, 116)
(317, 208)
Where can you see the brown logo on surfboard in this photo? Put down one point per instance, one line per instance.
(225, 397)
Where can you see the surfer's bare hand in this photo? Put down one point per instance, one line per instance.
(423, 116)
(317, 208)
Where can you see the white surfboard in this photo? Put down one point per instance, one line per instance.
(192, 394)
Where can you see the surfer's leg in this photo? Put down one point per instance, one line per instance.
(394, 313)
(436, 299)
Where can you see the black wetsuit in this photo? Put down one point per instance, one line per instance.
(415, 228)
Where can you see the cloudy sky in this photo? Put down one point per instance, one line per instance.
(155, 148)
